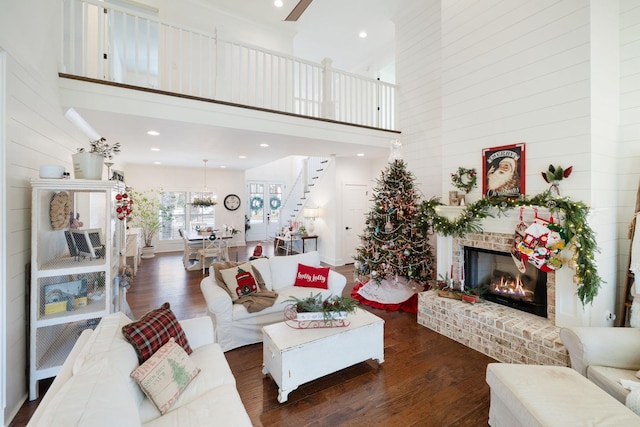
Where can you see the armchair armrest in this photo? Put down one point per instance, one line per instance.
(337, 282)
(219, 308)
(602, 346)
(199, 331)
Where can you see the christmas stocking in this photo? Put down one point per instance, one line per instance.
(541, 243)
(517, 238)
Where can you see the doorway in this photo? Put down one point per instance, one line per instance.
(355, 202)
(265, 204)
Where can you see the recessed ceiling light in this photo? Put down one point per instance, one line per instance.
(278, 3)
(155, 149)
(363, 34)
(264, 145)
(153, 132)
(223, 167)
(360, 154)
(242, 157)
(157, 163)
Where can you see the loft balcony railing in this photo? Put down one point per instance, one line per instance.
(106, 42)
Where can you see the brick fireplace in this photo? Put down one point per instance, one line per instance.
(504, 333)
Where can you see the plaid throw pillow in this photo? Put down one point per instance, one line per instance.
(153, 330)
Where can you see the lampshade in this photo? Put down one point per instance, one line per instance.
(311, 212)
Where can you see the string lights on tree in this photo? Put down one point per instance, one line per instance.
(393, 243)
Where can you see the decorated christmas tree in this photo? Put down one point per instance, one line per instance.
(394, 246)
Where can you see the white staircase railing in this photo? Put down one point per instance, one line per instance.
(297, 198)
(107, 42)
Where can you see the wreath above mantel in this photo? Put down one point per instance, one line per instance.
(574, 215)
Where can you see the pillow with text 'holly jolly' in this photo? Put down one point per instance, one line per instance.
(312, 277)
(240, 280)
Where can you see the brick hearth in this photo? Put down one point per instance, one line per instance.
(506, 334)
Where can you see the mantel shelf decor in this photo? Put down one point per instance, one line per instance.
(579, 233)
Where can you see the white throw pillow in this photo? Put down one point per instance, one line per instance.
(165, 375)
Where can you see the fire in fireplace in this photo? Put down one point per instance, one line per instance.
(498, 279)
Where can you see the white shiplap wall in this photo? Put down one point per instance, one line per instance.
(418, 59)
(475, 75)
(629, 153)
(36, 134)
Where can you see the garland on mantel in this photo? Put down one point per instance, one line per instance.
(579, 234)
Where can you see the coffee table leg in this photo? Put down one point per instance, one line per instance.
(284, 395)
(379, 359)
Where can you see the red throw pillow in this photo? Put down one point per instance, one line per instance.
(312, 277)
(153, 330)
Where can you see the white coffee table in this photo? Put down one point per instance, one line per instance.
(297, 356)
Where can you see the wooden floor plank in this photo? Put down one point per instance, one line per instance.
(426, 379)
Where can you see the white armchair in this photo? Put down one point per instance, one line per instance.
(605, 356)
(235, 326)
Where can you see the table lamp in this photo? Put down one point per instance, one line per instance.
(311, 214)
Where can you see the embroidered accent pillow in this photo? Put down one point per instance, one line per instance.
(240, 280)
(312, 277)
(153, 330)
(166, 375)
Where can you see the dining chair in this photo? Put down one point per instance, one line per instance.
(191, 248)
(215, 248)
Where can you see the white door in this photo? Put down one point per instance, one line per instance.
(265, 200)
(356, 204)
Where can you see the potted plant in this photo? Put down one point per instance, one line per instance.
(149, 214)
(314, 307)
(89, 164)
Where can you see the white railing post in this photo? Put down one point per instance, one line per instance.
(328, 106)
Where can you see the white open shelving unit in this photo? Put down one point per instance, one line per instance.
(70, 290)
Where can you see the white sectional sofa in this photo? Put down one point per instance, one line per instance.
(605, 356)
(235, 326)
(94, 387)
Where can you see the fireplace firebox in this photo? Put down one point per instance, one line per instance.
(497, 277)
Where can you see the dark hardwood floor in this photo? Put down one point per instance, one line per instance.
(426, 379)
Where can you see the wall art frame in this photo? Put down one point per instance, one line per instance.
(504, 171)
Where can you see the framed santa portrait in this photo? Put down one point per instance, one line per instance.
(503, 171)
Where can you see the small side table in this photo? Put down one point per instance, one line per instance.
(280, 243)
(305, 238)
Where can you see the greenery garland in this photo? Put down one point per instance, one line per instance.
(465, 179)
(204, 202)
(579, 233)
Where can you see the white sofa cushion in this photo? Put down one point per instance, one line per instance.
(285, 268)
(214, 372)
(107, 342)
(264, 267)
(608, 379)
(89, 398)
(220, 406)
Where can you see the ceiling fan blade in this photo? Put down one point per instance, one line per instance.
(298, 10)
